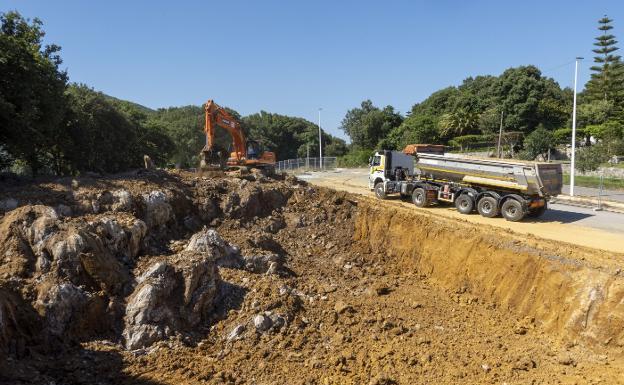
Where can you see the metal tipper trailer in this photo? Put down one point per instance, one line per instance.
(514, 189)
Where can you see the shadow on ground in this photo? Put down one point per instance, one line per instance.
(554, 215)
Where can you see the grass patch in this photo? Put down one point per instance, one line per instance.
(594, 181)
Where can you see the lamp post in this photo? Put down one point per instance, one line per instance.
(320, 141)
(573, 163)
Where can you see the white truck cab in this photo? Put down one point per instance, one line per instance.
(385, 164)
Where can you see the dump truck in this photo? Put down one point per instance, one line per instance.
(428, 176)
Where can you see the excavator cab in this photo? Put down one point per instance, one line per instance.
(254, 149)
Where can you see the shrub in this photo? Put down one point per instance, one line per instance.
(589, 158)
(355, 158)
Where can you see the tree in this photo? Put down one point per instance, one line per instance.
(336, 147)
(594, 112)
(525, 96)
(610, 134)
(184, 125)
(414, 129)
(282, 134)
(529, 99)
(437, 103)
(104, 139)
(459, 122)
(538, 143)
(32, 100)
(607, 81)
(589, 158)
(367, 125)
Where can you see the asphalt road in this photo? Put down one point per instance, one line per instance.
(557, 213)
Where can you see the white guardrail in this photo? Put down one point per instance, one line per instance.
(307, 164)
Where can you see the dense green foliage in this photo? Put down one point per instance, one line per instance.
(355, 158)
(368, 124)
(589, 158)
(538, 143)
(32, 97)
(290, 137)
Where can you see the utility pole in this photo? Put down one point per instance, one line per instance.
(320, 142)
(500, 136)
(573, 163)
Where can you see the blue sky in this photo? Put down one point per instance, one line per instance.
(292, 57)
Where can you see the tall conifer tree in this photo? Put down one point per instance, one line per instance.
(607, 81)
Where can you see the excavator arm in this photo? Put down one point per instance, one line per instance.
(217, 116)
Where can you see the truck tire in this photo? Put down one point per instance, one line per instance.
(419, 197)
(464, 204)
(538, 212)
(512, 210)
(488, 207)
(379, 191)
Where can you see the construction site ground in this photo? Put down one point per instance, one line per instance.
(364, 291)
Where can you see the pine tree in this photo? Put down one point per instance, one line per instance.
(607, 81)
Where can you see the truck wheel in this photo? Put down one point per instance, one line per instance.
(538, 212)
(464, 204)
(379, 191)
(488, 207)
(512, 210)
(419, 197)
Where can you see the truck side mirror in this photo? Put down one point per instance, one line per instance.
(370, 161)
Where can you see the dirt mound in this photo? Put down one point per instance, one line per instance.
(157, 278)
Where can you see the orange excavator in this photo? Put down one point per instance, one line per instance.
(245, 153)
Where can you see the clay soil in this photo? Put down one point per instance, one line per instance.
(358, 310)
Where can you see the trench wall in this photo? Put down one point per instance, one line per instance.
(566, 297)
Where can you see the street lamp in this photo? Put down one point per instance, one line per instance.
(573, 163)
(320, 142)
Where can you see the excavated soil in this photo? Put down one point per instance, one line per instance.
(299, 285)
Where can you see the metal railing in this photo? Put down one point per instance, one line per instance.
(307, 164)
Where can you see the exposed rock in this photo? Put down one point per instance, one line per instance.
(60, 305)
(236, 333)
(262, 263)
(171, 296)
(262, 323)
(277, 321)
(273, 268)
(275, 224)
(208, 242)
(158, 210)
(122, 200)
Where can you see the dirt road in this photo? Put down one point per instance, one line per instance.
(576, 225)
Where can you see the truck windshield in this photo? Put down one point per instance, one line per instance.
(376, 161)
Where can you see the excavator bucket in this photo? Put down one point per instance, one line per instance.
(212, 159)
